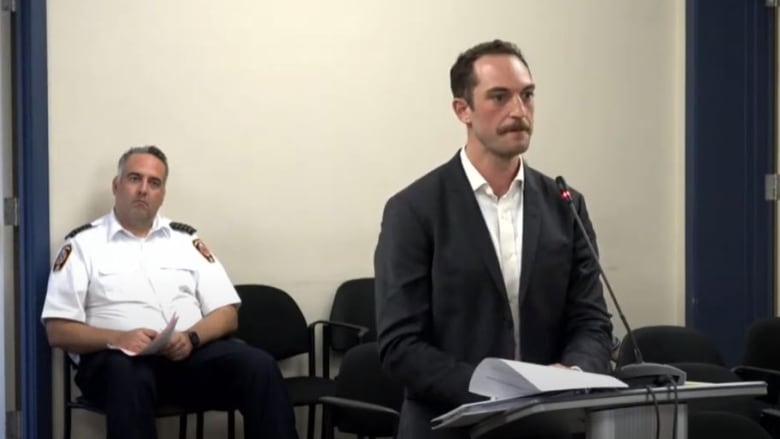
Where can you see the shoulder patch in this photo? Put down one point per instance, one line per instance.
(78, 230)
(181, 227)
(62, 257)
(201, 246)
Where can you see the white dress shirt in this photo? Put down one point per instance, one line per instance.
(115, 280)
(504, 219)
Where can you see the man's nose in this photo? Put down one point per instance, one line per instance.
(518, 106)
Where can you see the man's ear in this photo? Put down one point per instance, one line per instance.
(462, 110)
(114, 185)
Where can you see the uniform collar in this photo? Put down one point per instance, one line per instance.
(160, 225)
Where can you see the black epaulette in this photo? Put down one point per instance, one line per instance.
(78, 230)
(186, 228)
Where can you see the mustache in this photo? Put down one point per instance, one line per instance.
(522, 124)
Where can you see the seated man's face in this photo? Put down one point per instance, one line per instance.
(139, 190)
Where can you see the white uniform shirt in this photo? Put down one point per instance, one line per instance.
(501, 214)
(111, 279)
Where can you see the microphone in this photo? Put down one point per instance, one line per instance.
(640, 373)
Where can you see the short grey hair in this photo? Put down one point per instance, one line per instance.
(148, 149)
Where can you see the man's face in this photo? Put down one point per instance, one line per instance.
(502, 112)
(139, 190)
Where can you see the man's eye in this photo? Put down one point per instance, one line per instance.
(155, 183)
(528, 94)
(498, 98)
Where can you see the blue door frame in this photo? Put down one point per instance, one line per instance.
(31, 138)
(729, 147)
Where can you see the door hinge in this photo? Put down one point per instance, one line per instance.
(8, 5)
(13, 424)
(772, 3)
(10, 211)
(772, 187)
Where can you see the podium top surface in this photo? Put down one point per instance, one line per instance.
(489, 415)
(604, 400)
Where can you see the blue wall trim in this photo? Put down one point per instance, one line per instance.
(32, 169)
(730, 129)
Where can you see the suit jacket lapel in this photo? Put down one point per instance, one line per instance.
(474, 222)
(531, 224)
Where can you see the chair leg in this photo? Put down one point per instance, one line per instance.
(199, 425)
(310, 421)
(182, 426)
(231, 424)
(327, 422)
(66, 421)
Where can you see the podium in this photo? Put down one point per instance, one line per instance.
(615, 414)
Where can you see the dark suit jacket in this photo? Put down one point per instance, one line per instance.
(442, 304)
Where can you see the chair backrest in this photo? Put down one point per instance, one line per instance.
(362, 378)
(714, 373)
(353, 303)
(761, 346)
(669, 344)
(719, 425)
(271, 320)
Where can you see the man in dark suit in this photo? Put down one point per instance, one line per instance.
(481, 258)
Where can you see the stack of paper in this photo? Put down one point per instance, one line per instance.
(514, 384)
(499, 378)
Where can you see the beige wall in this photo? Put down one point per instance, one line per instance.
(288, 124)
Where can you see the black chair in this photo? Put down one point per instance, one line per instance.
(366, 401)
(761, 362)
(669, 344)
(82, 403)
(353, 303)
(271, 320)
(713, 373)
(719, 425)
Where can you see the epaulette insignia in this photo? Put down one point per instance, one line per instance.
(186, 228)
(201, 246)
(78, 230)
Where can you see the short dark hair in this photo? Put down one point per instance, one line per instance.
(462, 77)
(148, 149)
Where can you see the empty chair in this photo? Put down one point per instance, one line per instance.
(271, 320)
(719, 425)
(762, 357)
(761, 344)
(366, 401)
(669, 344)
(762, 363)
(353, 303)
(713, 373)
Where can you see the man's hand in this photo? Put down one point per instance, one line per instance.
(178, 348)
(135, 340)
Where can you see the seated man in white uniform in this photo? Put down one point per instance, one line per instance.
(115, 285)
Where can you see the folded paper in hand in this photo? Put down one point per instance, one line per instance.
(500, 378)
(158, 343)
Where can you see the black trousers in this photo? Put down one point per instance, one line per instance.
(224, 374)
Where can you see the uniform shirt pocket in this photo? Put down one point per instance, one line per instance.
(176, 279)
(118, 283)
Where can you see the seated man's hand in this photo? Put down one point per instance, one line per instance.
(135, 340)
(178, 348)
